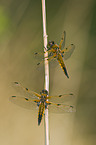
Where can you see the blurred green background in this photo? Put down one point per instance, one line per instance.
(21, 36)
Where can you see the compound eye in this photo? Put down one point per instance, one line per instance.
(52, 42)
(46, 92)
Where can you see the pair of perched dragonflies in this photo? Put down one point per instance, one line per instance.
(42, 101)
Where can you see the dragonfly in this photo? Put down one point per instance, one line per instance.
(55, 51)
(31, 100)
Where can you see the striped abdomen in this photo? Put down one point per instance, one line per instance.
(61, 62)
(41, 112)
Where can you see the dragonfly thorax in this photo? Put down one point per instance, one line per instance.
(57, 50)
(44, 94)
(43, 98)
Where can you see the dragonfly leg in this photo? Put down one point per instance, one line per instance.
(51, 57)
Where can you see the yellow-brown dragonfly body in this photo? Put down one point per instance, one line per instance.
(55, 51)
(32, 100)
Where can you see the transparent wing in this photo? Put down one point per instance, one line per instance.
(25, 102)
(25, 91)
(67, 52)
(50, 57)
(60, 108)
(65, 98)
(36, 54)
(62, 42)
(38, 60)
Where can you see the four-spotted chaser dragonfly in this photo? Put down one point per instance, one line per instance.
(32, 100)
(55, 51)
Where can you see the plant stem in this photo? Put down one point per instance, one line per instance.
(46, 124)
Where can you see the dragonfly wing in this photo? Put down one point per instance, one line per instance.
(67, 52)
(38, 60)
(62, 42)
(61, 62)
(25, 91)
(60, 108)
(25, 102)
(50, 56)
(65, 98)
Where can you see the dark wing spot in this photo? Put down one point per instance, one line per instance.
(71, 106)
(13, 96)
(72, 44)
(26, 89)
(66, 48)
(26, 99)
(58, 104)
(35, 53)
(60, 95)
(71, 94)
(49, 103)
(16, 83)
(36, 101)
(38, 63)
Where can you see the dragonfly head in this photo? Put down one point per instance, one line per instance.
(50, 44)
(44, 92)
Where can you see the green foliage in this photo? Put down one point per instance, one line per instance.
(4, 21)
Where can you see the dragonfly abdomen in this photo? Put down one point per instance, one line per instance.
(41, 112)
(61, 62)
